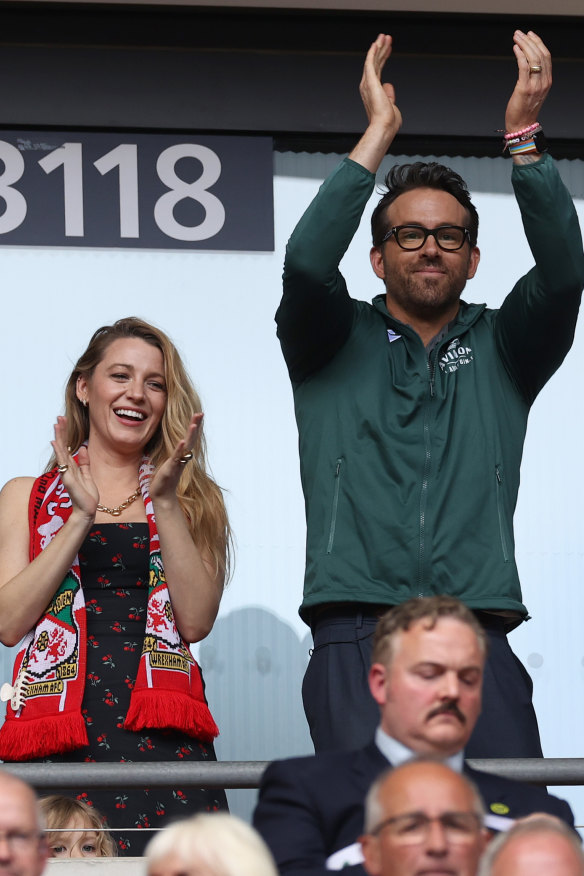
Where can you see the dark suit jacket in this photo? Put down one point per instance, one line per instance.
(310, 807)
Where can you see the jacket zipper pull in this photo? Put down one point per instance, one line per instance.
(431, 372)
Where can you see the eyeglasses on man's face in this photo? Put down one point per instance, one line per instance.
(448, 237)
(459, 827)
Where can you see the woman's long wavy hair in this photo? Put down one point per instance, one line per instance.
(200, 497)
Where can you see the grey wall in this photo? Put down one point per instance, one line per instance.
(290, 74)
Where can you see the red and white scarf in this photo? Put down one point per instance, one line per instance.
(44, 714)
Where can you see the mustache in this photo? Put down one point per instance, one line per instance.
(433, 262)
(449, 707)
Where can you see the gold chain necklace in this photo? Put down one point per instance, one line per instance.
(115, 512)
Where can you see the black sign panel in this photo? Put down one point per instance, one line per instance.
(157, 191)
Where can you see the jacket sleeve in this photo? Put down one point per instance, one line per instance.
(535, 326)
(315, 314)
(288, 819)
(562, 809)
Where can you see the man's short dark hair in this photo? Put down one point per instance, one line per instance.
(430, 175)
(427, 608)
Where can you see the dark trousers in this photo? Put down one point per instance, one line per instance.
(342, 714)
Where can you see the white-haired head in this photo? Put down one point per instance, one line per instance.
(537, 844)
(215, 844)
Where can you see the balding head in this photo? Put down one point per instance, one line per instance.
(423, 817)
(23, 850)
(538, 846)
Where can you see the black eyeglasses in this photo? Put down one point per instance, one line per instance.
(448, 237)
(459, 827)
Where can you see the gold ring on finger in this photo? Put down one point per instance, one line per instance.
(184, 459)
(62, 468)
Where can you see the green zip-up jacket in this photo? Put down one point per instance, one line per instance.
(409, 462)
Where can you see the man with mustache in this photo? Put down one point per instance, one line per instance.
(426, 678)
(412, 410)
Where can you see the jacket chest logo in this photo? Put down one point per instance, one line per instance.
(455, 356)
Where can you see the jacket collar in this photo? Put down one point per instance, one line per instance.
(397, 753)
(466, 316)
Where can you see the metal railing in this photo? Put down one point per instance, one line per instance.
(247, 774)
(156, 774)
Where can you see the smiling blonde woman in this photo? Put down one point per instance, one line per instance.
(112, 562)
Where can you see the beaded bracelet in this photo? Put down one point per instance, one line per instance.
(514, 142)
(528, 130)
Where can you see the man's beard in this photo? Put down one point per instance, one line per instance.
(426, 297)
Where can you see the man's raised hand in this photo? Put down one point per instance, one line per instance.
(534, 81)
(379, 101)
(379, 98)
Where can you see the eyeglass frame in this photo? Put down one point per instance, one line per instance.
(21, 840)
(427, 232)
(425, 822)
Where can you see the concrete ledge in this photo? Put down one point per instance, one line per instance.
(95, 867)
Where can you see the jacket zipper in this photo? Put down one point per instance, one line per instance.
(425, 477)
(500, 514)
(335, 506)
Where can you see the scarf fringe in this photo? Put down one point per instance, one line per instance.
(40, 737)
(175, 711)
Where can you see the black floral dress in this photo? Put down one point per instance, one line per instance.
(114, 573)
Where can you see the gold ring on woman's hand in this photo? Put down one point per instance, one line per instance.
(184, 459)
(62, 468)
(535, 68)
